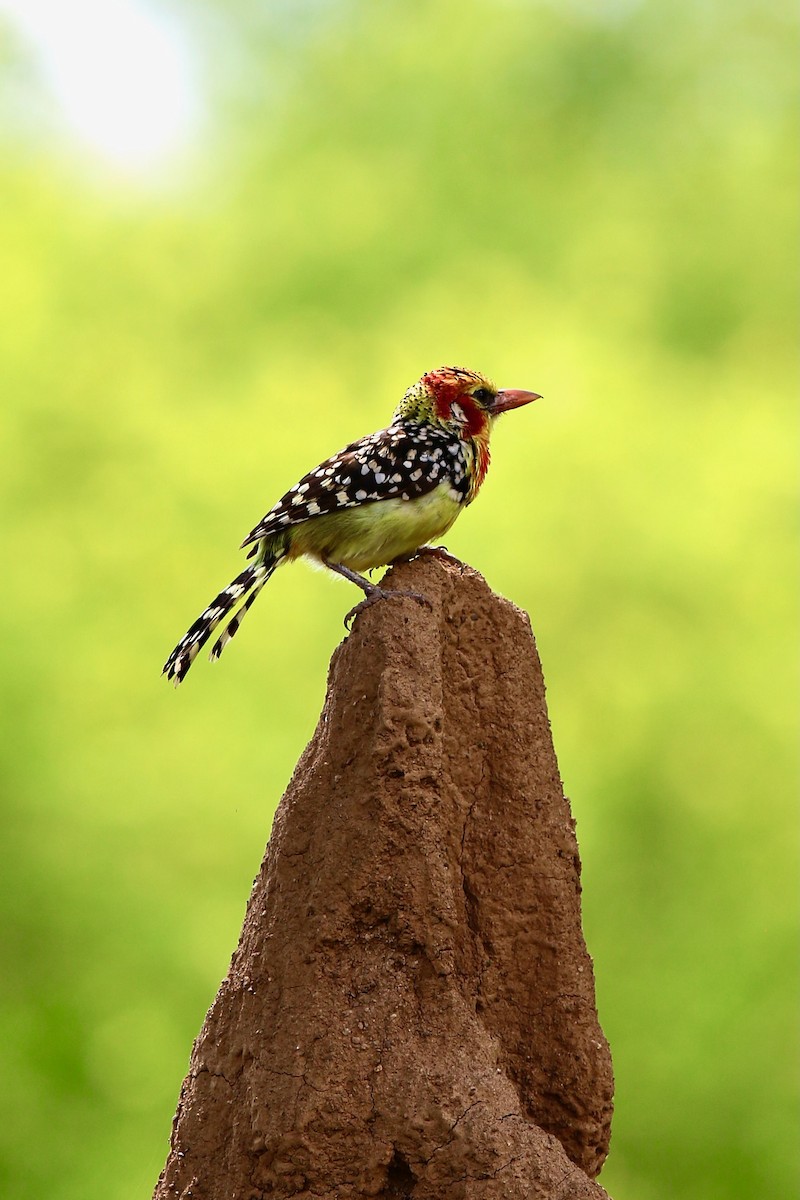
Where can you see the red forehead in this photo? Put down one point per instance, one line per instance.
(447, 387)
(451, 386)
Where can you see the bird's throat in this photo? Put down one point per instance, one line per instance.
(481, 459)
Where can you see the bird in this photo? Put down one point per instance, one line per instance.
(379, 500)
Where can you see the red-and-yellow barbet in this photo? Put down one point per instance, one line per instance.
(380, 500)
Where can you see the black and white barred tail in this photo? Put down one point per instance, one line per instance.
(246, 587)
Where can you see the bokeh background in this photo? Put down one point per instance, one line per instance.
(232, 234)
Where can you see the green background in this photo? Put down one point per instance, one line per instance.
(595, 202)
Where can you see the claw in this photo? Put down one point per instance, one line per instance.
(430, 551)
(381, 594)
(439, 552)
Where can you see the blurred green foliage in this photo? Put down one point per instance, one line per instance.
(594, 201)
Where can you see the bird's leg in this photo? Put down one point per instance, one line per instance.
(439, 552)
(372, 593)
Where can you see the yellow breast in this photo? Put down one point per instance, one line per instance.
(374, 534)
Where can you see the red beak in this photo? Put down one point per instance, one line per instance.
(511, 398)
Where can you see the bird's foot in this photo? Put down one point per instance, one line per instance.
(439, 552)
(377, 594)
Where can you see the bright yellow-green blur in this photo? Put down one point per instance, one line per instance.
(593, 201)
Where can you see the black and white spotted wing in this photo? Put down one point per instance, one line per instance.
(403, 462)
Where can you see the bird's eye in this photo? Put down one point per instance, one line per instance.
(482, 394)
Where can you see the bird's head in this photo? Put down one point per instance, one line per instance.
(461, 400)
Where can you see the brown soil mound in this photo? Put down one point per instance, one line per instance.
(410, 1011)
